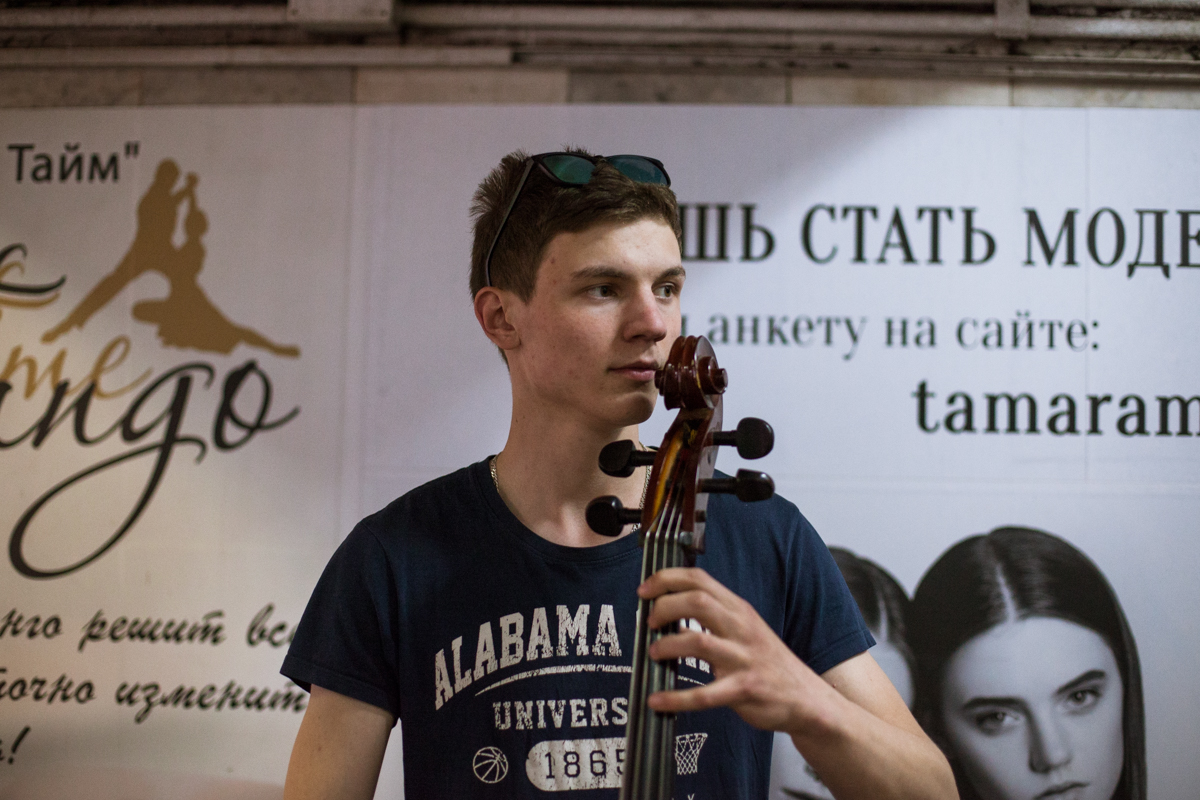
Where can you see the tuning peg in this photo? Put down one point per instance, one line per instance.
(619, 459)
(749, 486)
(607, 517)
(753, 437)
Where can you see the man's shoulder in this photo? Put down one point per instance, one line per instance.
(444, 501)
(776, 516)
(771, 536)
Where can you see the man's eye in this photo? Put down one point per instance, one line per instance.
(603, 290)
(995, 721)
(667, 290)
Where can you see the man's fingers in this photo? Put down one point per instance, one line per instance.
(694, 604)
(721, 653)
(682, 579)
(712, 695)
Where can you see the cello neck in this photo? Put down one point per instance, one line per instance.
(672, 533)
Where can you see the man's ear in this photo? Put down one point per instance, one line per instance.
(494, 309)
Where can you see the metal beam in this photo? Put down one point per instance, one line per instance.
(591, 22)
(342, 15)
(1140, 5)
(256, 56)
(896, 65)
(600, 18)
(144, 17)
(1177, 30)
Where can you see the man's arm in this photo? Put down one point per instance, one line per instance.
(872, 740)
(338, 750)
(849, 723)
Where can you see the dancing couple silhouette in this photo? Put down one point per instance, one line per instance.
(186, 317)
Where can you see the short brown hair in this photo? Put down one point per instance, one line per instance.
(545, 210)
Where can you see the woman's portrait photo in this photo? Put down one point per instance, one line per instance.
(1027, 671)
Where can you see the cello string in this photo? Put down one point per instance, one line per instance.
(660, 746)
(641, 722)
(654, 770)
(667, 741)
(635, 764)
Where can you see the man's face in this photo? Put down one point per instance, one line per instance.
(604, 312)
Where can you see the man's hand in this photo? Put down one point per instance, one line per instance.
(756, 674)
(849, 723)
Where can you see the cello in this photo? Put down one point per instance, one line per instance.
(671, 532)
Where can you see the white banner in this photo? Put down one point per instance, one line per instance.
(955, 320)
(180, 279)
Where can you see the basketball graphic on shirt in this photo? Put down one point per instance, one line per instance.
(490, 765)
(687, 753)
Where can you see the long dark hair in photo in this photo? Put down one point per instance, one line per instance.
(882, 601)
(979, 582)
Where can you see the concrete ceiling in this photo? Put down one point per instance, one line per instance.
(1136, 40)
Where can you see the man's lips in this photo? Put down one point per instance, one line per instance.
(637, 370)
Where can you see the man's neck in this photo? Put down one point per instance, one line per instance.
(548, 472)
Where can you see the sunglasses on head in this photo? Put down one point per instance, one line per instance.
(572, 169)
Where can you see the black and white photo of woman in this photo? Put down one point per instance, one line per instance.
(1027, 671)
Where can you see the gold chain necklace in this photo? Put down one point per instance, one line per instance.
(496, 480)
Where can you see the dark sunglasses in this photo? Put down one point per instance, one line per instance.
(571, 169)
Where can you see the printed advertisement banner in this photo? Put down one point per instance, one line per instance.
(227, 334)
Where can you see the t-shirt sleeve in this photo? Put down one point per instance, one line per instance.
(823, 624)
(345, 641)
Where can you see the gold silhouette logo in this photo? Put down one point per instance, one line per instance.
(186, 318)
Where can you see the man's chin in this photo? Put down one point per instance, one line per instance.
(636, 409)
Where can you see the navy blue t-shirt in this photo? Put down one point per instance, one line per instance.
(508, 657)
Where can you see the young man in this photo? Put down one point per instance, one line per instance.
(482, 611)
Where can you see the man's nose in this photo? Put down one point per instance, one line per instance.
(647, 316)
